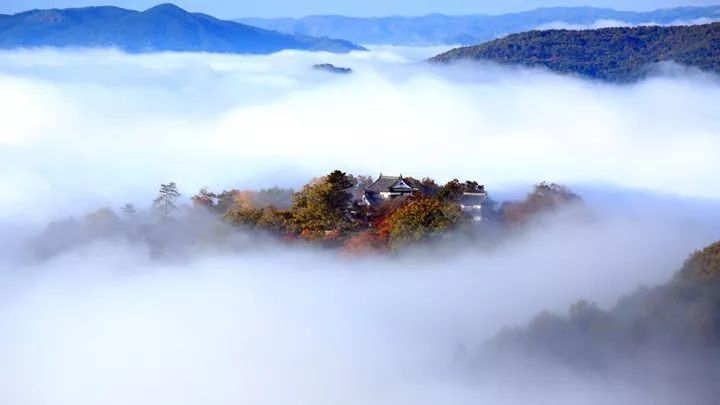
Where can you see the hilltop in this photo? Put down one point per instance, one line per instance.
(440, 29)
(611, 54)
(673, 322)
(162, 28)
(358, 214)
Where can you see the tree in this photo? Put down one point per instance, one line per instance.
(164, 204)
(341, 195)
(272, 220)
(420, 219)
(277, 197)
(545, 197)
(128, 211)
(703, 265)
(266, 219)
(429, 187)
(323, 205)
(454, 189)
(473, 187)
(229, 199)
(339, 180)
(102, 222)
(243, 216)
(204, 199)
(312, 211)
(364, 242)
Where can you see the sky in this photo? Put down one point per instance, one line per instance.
(293, 8)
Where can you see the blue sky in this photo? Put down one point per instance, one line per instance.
(295, 8)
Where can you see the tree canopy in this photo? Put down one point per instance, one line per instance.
(164, 204)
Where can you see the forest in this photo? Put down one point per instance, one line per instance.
(611, 54)
(672, 329)
(328, 211)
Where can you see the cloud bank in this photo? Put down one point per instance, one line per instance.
(83, 126)
(104, 323)
(606, 23)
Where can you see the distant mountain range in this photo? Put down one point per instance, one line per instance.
(162, 28)
(612, 54)
(439, 29)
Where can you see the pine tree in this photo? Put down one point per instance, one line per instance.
(164, 204)
(340, 195)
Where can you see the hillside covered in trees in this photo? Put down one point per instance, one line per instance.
(331, 211)
(441, 29)
(165, 27)
(676, 326)
(611, 54)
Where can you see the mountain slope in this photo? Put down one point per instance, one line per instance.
(612, 54)
(162, 28)
(439, 29)
(681, 316)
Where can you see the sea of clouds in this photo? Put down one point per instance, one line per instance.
(107, 323)
(84, 126)
(609, 23)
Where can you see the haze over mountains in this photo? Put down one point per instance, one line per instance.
(439, 29)
(165, 27)
(185, 222)
(612, 54)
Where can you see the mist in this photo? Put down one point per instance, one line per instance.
(220, 120)
(606, 23)
(108, 322)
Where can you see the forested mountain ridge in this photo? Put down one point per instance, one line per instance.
(612, 54)
(440, 29)
(162, 28)
(673, 320)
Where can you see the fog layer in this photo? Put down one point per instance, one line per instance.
(220, 120)
(106, 323)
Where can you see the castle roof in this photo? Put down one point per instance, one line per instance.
(389, 183)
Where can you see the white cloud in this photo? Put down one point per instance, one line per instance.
(606, 23)
(105, 324)
(90, 124)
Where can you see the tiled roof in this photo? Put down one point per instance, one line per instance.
(383, 183)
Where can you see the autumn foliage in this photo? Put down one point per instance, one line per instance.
(330, 211)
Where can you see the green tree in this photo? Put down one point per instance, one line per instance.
(429, 187)
(419, 219)
(164, 204)
(703, 265)
(451, 191)
(312, 210)
(323, 206)
(272, 219)
(243, 216)
(454, 189)
(341, 194)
